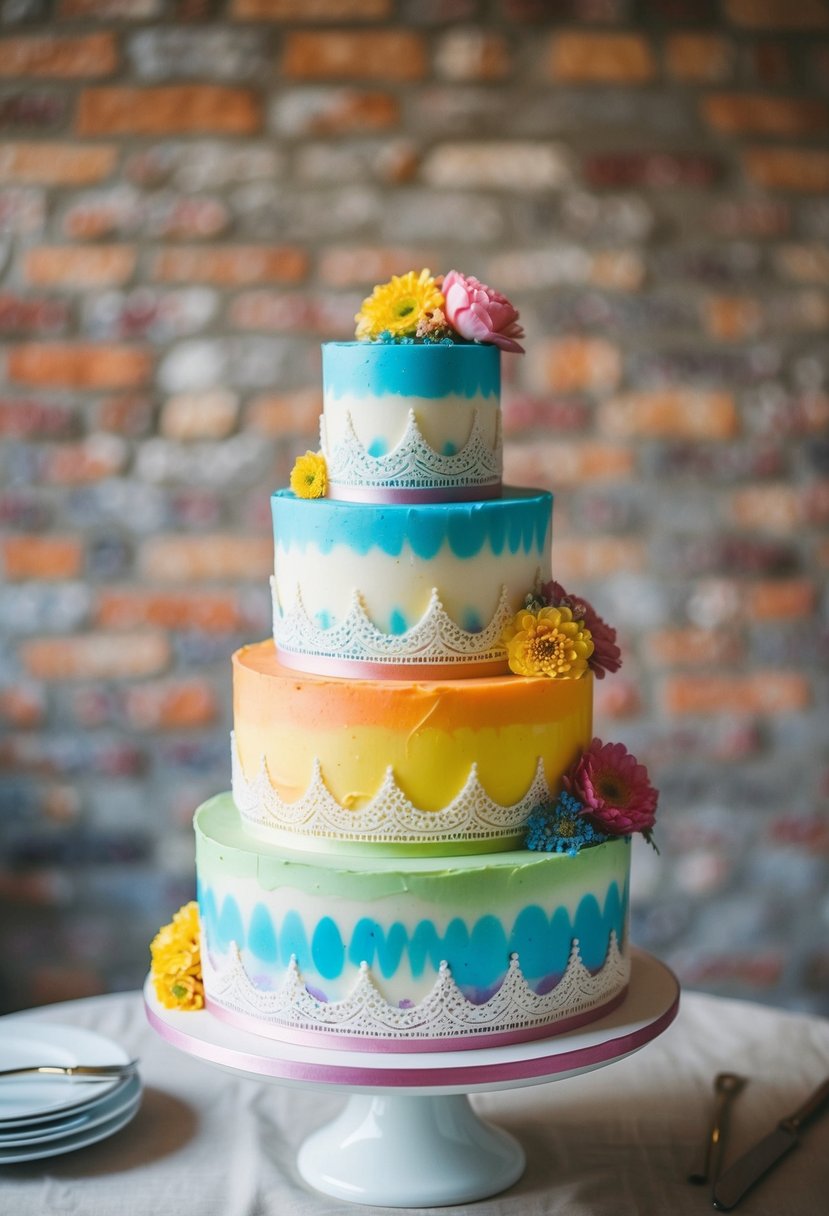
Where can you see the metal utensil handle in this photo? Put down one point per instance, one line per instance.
(810, 1108)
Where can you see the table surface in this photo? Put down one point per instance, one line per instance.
(615, 1142)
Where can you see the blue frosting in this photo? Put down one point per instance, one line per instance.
(373, 369)
(477, 954)
(519, 520)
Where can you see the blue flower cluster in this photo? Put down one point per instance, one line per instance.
(561, 828)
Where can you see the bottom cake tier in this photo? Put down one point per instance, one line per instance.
(407, 954)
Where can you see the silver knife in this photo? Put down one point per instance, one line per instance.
(750, 1168)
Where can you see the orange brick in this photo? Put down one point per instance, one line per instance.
(732, 318)
(171, 705)
(197, 559)
(617, 698)
(207, 415)
(601, 58)
(552, 462)
(295, 413)
(232, 265)
(131, 607)
(778, 14)
(691, 647)
(49, 164)
(22, 707)
(806, 263)
(311, 10)
(58, 55)
(79, 366)
(768, 508)
(397, 54)
(779, 600)
(63, 266)
(96, 656)
(567, 365)
(671, 413)
(363, 266)
(580, 559)
(472, 53)
(763, 114)
(764, 692)
(42, 557)
(167, 110)
(798, 169)
(699, 57)
(617, 270)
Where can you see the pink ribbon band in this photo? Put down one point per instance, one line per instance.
(363, 669)
(408, 494)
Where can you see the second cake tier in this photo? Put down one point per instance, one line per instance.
(399, 766)
(404, 590)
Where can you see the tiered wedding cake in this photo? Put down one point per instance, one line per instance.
(424, 847)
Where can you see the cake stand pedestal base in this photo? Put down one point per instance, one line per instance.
(458, 1157)
(408, 1136)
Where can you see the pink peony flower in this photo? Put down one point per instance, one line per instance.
(606, 654)
(614, 789)
(480, 314)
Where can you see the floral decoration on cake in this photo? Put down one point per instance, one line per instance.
(309, 476)
(176, 969)
(606, 654)
(607, 793)
(445, 309)
(543, 640)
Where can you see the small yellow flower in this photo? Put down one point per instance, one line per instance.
(548, 642)
(309, 476)
(176, 961)
(398, 307)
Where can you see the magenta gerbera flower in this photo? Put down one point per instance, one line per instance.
(606, 654)
(614, 789)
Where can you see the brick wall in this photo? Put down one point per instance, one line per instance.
(193, 194)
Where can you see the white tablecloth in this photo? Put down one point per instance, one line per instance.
(615, 1142)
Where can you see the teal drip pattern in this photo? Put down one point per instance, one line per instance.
(477, 953)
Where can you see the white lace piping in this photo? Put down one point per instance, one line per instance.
(444, 1013)
(413, 464)
(435, 638)
(390, 817)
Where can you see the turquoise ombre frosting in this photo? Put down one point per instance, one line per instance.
(374, 369)
(518, 521)
(477, 951)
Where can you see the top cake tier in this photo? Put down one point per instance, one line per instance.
(411, 423)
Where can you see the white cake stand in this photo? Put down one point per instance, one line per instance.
(408, 1136)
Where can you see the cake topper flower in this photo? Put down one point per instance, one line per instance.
(614, 790)
(547, 641)
(398, 307)
(479, 313)
(176, 961)
(309, 476)
(606, 654)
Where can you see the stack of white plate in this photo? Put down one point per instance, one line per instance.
(41, 1116)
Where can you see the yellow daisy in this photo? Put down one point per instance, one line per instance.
(398, 307)
(176, 961)
(309, 476)
(548, 642)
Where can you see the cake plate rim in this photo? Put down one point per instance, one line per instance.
(405, 1109)
(649, 1007)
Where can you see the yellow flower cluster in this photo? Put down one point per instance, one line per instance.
(176, 961)
(399, 306)
(548, 642)
(309, 476)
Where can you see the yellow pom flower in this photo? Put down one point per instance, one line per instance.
(309, 476)
(398, 307)
(176, 961)
(548, 642)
